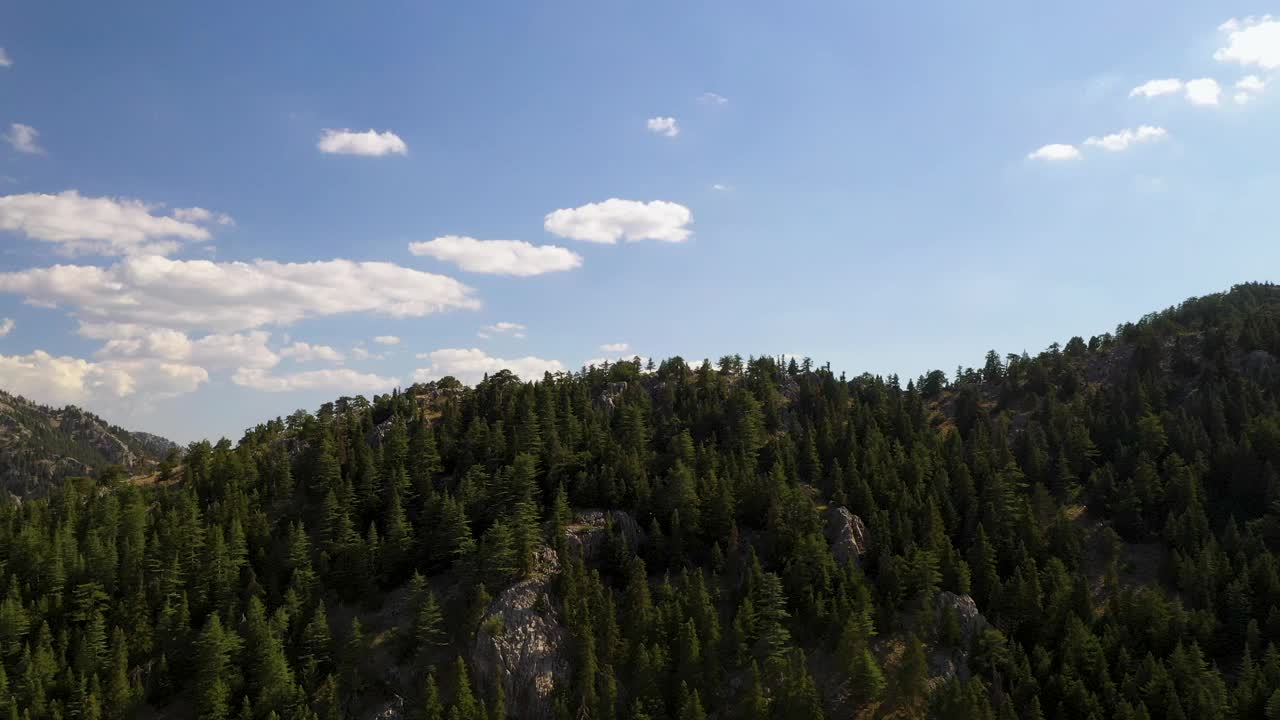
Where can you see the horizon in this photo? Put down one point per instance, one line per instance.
(209, 217)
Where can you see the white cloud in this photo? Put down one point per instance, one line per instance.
(336, 379)
(201, 215)
(608, 221)
(513, 329)
(370, 143)
(710, 98)
(6, 326)
(61, 380)
(498, 257)
(1155, 88)
(101, 225)
(1247, 87)
(23, 138)
(1251, 41)
(1122, 140)
(212, 351)
(1204, 91)
(618, 347)
(5, 60)
(721, 187)
(471, 365)
(231, 296)
(663, 126)
(387, 340)
(360, 352)
(1055, 152)
(1251, 83)
(306, 352)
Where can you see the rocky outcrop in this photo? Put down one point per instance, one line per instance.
(521, 643)
(591, 529)
(846, 533)
(971, 621)
(609, 395)
(947, 662)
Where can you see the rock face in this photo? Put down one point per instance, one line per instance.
(521, 643)
(846, 533)
(971, 621)
(948, 662)
(590, 531)
(610, 394)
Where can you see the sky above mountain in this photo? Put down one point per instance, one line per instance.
(211, 214)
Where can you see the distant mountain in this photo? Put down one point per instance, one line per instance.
(40, 445)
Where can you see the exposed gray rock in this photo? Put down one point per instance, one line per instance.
(948, 662)
(846, 533)
(609, 396)
(521, 643)
(971, 621)
(590, 531)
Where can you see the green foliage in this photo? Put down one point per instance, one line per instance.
(1112, 506)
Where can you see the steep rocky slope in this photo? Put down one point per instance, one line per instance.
(40, 445)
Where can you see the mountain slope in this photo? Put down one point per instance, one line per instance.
(40, 445)
(1090, 532)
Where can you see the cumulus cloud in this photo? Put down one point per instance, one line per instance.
(498, 257)
(369, 143)
(23, 138)
(342, 380)
(1247, 87)
(1156, 88)
(306, 352)
(503, 327)
(614, 219)
(1204, 91)
(1251, 41)
(1054, 152)
(618, 347)
(1127, 138)
(360, 352)
(96, 225)
(663, 126)
(710, 98)
(387, 340)
(202, 215)
(211, 351)
(227, 297)
(5, 60)
(60, 380)
(6, 326)
(471, 365)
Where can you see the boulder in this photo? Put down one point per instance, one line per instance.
(847, 534)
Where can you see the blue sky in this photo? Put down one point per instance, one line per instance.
(891, 188)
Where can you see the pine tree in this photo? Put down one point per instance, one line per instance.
(213, 670)
(431, 708)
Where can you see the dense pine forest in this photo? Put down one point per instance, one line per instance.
(1090, 532)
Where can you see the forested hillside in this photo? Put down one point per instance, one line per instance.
(41, 445)
(1090, 532)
